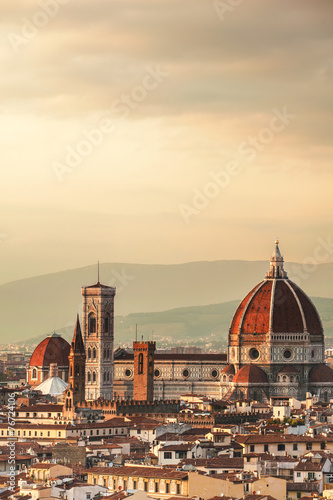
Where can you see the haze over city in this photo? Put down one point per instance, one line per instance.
(163, 132)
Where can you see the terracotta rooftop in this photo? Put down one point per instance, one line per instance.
(53, 349)
(289, 311)
(145, 472)
(228, 370)
(250, 374)
(321, 373)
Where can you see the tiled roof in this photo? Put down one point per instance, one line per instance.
(309, 486)
(219, 462)
(250, 374)
(177, 447)
(53, 349)
(145, 472)
(254, 314)
(40, 408)
(228, 370)
(277, 438)
(309, 465)
(289, 369)
(321, 373)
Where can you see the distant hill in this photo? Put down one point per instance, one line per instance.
(201, 326)
(34, 307)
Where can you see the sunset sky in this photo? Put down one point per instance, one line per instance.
(163, 131)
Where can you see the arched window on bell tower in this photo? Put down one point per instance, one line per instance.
(107, 324)
(91, 323)
(140, 362)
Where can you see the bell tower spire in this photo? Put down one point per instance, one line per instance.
(276, 269)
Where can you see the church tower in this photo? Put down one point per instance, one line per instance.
(98, 334)
(77, 359)
(143, 384)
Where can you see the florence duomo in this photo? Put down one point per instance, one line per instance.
(275, 348)
(166, 241)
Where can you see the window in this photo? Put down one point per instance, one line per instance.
(89, 377)
(34, 373)
(167, 488)
(281, 447)
(309, 446)
(254, 353)
(146, 486)
(94, 377)
(298, 474)
(107, 324)
(295, 446)
(265, 448)
(322, 446)
(167, 455)
(94, 353)
(89, 353)
(140, 364)
(134, 485)
(252, 447)
(91, 323)
(138, 431)
(88, 495)
(178, 489)
(156, 487)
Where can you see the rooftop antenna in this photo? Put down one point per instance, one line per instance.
(98, 272)
(136, 332)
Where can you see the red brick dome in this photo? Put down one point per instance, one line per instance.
(250, 374)
(321, 373)
(276, 305)
(53, 349)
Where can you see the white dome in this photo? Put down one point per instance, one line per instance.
(54, 386)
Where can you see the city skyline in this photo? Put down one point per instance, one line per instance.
(164, 132)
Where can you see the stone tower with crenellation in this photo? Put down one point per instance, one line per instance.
(143, 383)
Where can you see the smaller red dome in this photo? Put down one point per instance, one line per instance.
(250, 374)
(228, 370)
(53, 349)
(321, 373)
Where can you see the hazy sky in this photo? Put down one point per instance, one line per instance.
(163, 131)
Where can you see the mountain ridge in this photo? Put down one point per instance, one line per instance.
(33, 306)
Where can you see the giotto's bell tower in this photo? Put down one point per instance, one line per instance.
(98, 335)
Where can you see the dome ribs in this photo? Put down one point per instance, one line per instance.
(256, 317)
(286, 314)
(53, 349)
(311, 315)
